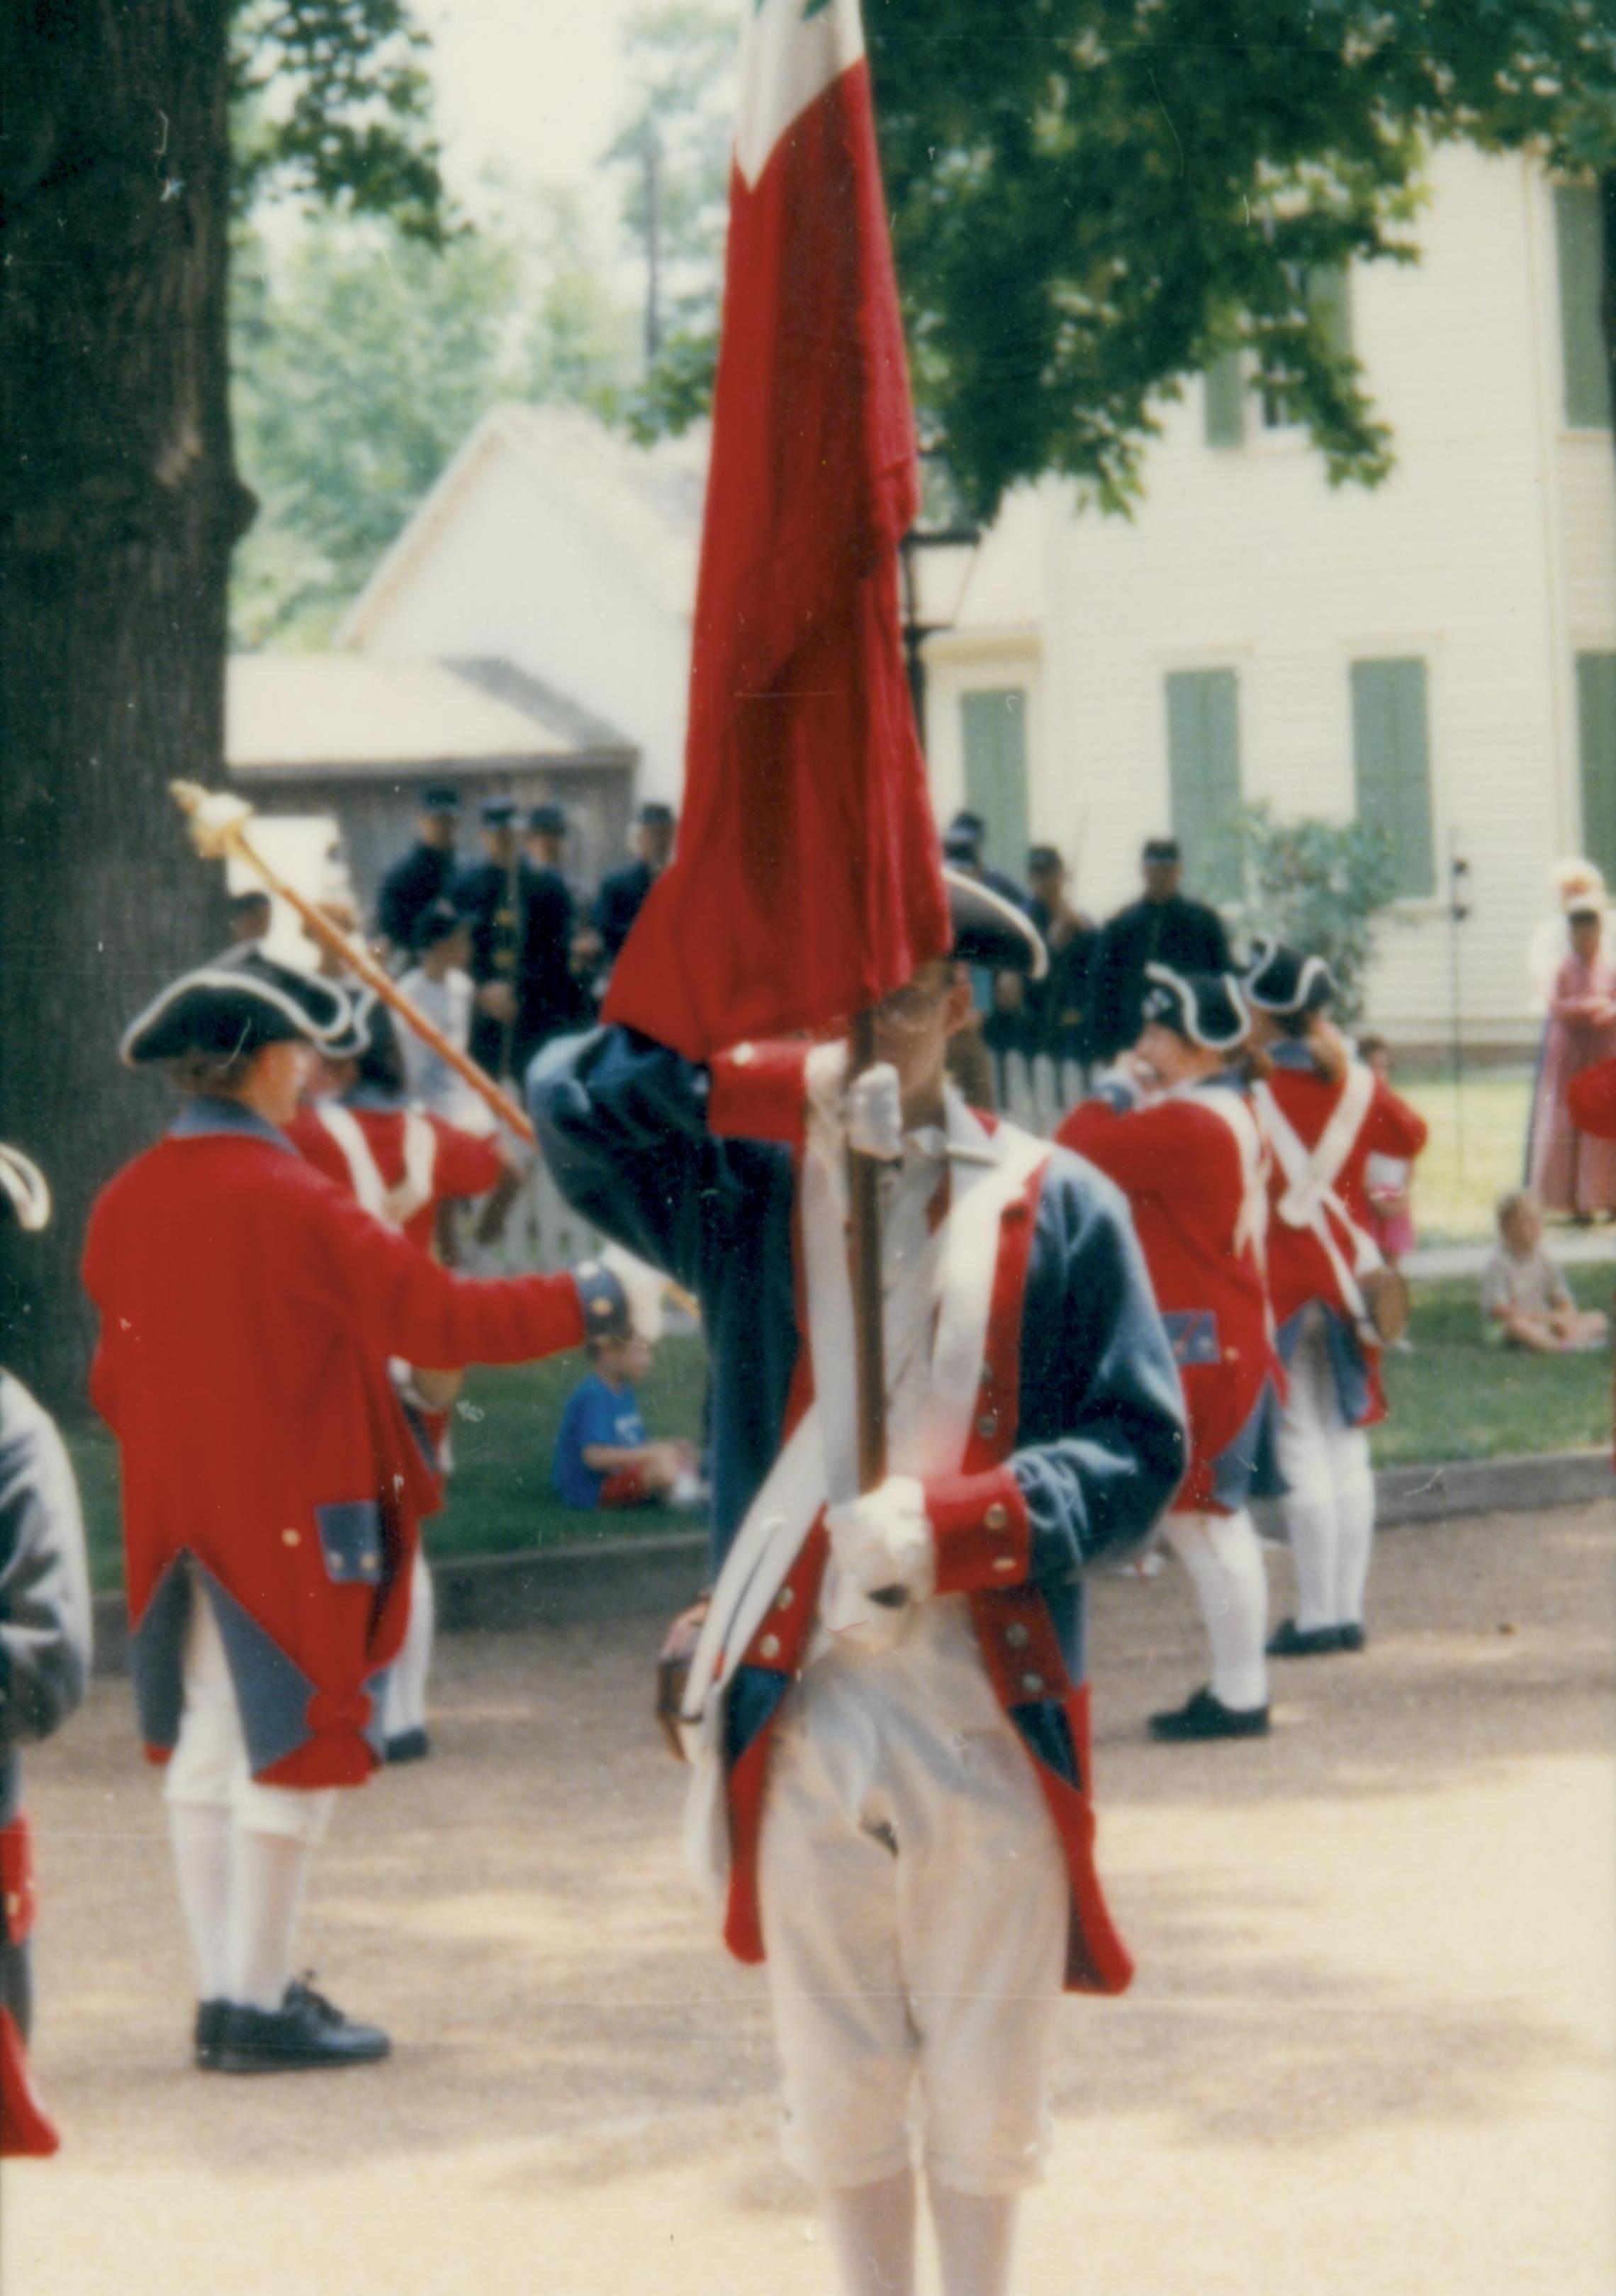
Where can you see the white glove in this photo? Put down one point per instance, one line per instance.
(865, 1115)
(883, 1539)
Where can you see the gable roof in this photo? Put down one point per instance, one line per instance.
(646, 499)
(354, 713)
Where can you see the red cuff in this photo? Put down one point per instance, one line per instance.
(760, 1091)
(980, 1526)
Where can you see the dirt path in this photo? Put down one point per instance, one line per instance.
(1369, 2049)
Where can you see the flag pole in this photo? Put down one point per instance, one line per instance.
(864, 1192)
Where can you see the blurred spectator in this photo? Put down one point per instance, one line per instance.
(603, 1457)
(425, 875)
(1162, 927)
(1524, 1297)
(551, 997)
(1059, 1003)
(622, 894)
(1566, 1168)
(1388, 1180)
(439, 984)
(965, 841)
(249, 915)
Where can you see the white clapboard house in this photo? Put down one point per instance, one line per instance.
(1438, 655)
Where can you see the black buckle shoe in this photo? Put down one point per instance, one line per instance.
(406, 1746)
(1205, 1716)
(1290, 1641)
(305, 2034)
(1351, 1637)
(208, 2033)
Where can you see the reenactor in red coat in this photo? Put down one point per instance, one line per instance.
(272, 1486)
(1325, 1112)
(1182, 1141)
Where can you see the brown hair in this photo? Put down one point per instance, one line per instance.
(211, 1076)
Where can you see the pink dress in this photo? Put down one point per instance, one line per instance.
(1571, 1171)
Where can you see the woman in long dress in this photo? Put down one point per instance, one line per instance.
(1569, 1169)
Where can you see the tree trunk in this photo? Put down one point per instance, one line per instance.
(119, 508)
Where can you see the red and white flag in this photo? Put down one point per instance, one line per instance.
(806, 882)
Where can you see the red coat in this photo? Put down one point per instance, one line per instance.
(465, 1163)
(1298, 1266)
(1180, 1167)
(247, 1310)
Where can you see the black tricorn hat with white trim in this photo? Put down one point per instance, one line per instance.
(24, 1192)
(233, 1005)
(1282, 981)
(990, 931)
(1203, 1008)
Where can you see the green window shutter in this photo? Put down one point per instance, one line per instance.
(993, 727)
(1597, 726)
(1330, 298)
(1225, 388)
(1203, 777)
(1391, 765)
(1579, 234)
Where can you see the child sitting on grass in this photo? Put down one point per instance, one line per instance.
(603, 1456)
(1524, 1297)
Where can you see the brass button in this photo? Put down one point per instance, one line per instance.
(998, 1517)
(369, 1559)
(1033, 1685)
(769, 1647)
(1004, 1562)
(13, 1905)
(602, 1307)
(1016, 1636)
(785, 1598)
(988, 1426)
(291, 1538)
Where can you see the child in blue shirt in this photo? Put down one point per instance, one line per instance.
(603, 1456)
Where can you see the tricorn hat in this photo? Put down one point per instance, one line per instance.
(235, 1004)
(1203, 1008)
(24, 1192)
(990, 931)
(1281, 980)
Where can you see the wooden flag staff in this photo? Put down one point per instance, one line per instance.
(218, 822)
(864, 1196)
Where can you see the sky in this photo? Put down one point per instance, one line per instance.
(536, 86)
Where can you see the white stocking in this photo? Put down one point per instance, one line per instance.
(200, 1835)
(1306, 1446)
(872, 2230)
(1354, 1524)
(1222, 1557)
(271, 1870)
(404, 1699)
(976, 2236)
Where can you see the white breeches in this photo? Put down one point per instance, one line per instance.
(209, 1767)
(914, 1904)
(1223, 1558)
(404, 1696)
(1329, 1509)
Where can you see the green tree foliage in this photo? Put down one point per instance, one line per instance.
(674, 149)
(1093, 198)
(1318, 885)
(330, 104)
(363, 360)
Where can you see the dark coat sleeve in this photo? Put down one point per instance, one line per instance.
(1101, 1446)
(45, 1587)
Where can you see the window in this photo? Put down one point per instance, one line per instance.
(1391, 765)
(1596, 729)
(1580, 238)
(1203, 777)
(993, 732)
(1326, 290)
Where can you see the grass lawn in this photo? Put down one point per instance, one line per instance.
(1477, 1148)
(1453, 1397)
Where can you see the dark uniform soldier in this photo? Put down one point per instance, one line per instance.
(426, 873)
(1061, 1022)
(1163, 927)
(491, 895)
(44, 1654)
(622, 894)
(550, 995)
